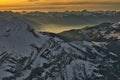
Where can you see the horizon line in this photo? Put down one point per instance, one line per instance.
(89, 10)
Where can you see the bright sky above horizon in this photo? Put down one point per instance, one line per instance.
(59, 5)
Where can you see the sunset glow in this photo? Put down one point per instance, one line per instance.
(59, 5)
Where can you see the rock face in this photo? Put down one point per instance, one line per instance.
(116, 26)
(28, 55)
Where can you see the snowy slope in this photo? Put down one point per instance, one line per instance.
(16, 36)
(28, 55)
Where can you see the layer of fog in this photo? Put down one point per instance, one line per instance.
(54, 28)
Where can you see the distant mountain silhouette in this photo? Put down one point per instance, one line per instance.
(104, 32)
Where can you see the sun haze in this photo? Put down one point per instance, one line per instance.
(59, 5)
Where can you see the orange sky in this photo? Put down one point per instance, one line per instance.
(59, 5)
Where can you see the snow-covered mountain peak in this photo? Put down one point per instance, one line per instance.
(16, 36)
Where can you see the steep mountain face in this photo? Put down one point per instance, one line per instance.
(28, 55)
(15, 35)
(106, 33)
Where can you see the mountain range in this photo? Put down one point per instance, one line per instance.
(74, 19)
(91, 53)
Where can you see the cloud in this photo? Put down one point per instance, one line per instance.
(32, 0)
(84, 3)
